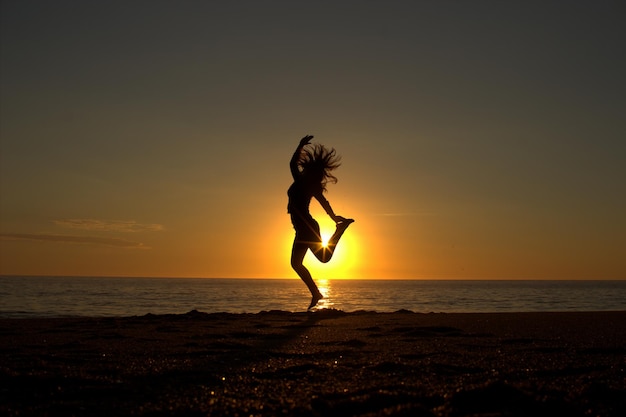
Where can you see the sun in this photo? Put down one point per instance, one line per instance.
(325, 239)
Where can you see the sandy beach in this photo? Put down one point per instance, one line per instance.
(324, 363)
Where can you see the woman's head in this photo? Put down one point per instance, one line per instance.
(316, 163)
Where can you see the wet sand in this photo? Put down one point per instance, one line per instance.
(325, 363)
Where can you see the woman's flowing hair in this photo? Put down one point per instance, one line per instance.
(317, 161)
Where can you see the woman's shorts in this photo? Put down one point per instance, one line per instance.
(307, 229)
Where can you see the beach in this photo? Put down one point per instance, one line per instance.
(322, 363)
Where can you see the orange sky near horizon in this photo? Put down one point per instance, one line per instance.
(480, 140)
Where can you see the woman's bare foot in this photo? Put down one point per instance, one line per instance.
(344, 223)
(315, 299)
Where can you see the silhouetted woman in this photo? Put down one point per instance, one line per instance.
(311, 167)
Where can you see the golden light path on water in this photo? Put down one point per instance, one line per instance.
(326, 289)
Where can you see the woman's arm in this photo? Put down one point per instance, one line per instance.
(293, 164)
(326, 205)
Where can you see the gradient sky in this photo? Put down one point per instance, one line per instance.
(480, 139)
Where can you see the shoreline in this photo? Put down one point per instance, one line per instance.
(26, 316)
(321, 363)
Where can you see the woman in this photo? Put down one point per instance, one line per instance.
(311, 168)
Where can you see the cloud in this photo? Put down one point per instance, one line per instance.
(88, 240)
(127, 226)
(94, 226)
(407, 214)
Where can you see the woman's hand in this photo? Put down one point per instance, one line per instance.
(306, 140)
(293, 164)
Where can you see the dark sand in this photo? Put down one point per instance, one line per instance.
(326, 363)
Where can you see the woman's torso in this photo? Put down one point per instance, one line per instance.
(299, 198)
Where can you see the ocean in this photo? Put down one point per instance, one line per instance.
(99, 297)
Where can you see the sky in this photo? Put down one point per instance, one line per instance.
(479, 139)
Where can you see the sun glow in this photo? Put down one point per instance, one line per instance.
(343, 264)
(347, 261)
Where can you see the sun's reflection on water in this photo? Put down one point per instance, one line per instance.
(325, 288)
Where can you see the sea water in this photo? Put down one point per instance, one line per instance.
(91, 296)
